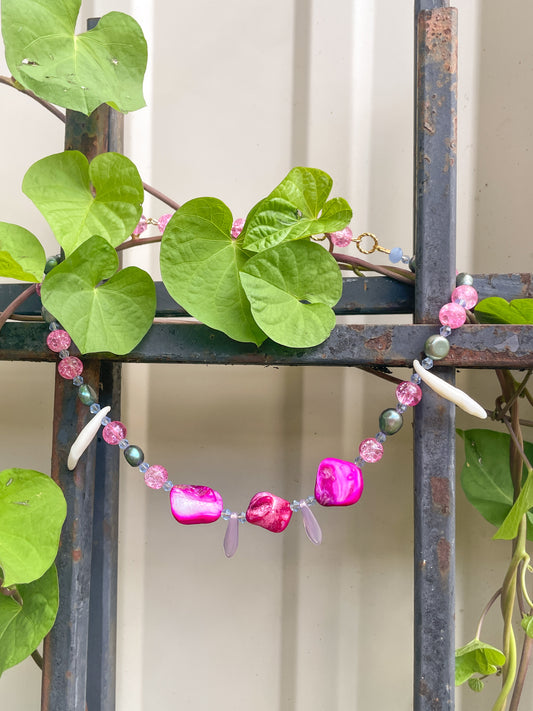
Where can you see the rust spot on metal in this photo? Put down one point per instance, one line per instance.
(76, 555)
(440, 38)
(380, 343)
(440, 494)
(443, 555)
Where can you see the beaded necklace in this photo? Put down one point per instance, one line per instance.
(338, 482)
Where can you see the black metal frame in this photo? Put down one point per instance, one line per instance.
(80, 651)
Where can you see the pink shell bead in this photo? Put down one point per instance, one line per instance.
(342, 238)
(452, 315)
(408, 393)
(70, 367)
(195, 504)
(269, 511)
(371, 450)
(155, 476)
(338, 483)
(237, 226)
(58, 340)
(114, 432)
(465, 293)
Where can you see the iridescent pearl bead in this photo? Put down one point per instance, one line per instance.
(371, 450)
(134, 455)
(269, 511)
(452, 315)
(195, 504)
(338, 483)
(409, 393)
(114, 432)
(437, 347)
(86, 394)
(58, 340)
(464, 279)
(155, 476)
(390, 421)
(69, 367)
(342, 238)
(465, 293)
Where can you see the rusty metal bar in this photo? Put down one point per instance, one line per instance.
(434, 435)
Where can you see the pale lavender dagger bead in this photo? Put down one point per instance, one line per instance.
(311, 525)
(231, 539)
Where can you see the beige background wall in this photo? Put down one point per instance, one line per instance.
(238, 93)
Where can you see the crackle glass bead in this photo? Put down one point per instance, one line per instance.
(409, 393)
(371, 450)
(464, 279)
(390, 421)
(58, 340)
(452, 315)
(87, 395)
(342, 238)
(114, 432)
(134, 455)
(155, 476)
(465, 293)
(437, 347)
(69, 367)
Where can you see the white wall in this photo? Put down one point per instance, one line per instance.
(238, 93)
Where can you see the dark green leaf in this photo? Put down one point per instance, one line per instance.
(200, 265)
(60, 187)
(476, 658)
(33, 621)
(279, 281)
(497, 310)
(105, 65)
(32, 511)
(21, 254)
(113, 316)
(509, 528)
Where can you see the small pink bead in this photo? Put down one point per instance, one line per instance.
(342, 238)
(195, 504)
(114, 432)
(467, 294)
(163, 222)
(452, 315)
(58, 340)
(141, 226)
(408, 393)
(269, 511)
(70, 367)
(371, 450)
(155, 476)
(236, 229)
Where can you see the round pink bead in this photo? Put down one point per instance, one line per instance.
(237, 226)
(70, 367)
(155, 476)
(465, 293)
(163, 222)
(141, 226)
(58, 340)
(408, 393)
(371, 450)
(114, 432)
(342, 238)
(452, 315)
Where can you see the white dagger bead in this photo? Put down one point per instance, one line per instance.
(85, 437)
(450, 392)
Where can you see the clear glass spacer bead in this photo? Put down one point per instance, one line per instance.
(416, 379)
(401, 408)
(123, 444)
(95, 407)
(359, 461)
(167, 486)
(64, 354)
(445, 331)
(143, 468)
(53, 326)
(427, 363)
(106, 421)
(381, 437)
(78, 380)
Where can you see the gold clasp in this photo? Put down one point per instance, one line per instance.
(375, 247)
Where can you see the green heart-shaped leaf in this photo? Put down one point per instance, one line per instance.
(509, 528)
(60, 187)
(494, 309)
(21, 254)
(476, 657)
(279, 280)
(200, 267)
(296, 208)
(32, 511)
(113, 316)
(34, 619)
(486, 475)
(105, 65)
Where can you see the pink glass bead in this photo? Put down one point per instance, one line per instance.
(269, 511)
(452, 315)
(466, 293)
(236, 229)
(70, 367)
(163, 222)
(408, 393)
(141, 226)
(114, 432)
(58, 340)
(195, 504)
(371, 450)
(155, 476)
(338, 483)
(342, 238)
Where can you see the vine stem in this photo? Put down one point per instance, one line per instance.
(37, 658)
(9, 81)
(400, 275)
(161, 196)
(138, 242)
(487, 607)
(518, 445)
(21, 298)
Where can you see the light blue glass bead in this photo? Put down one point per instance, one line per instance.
(359, 461)
(445, 331)
(64, 354)
(416, 379)
(106, 421)
(405, 259)
(381, 437)
(143, 468)
(123, 443)
(78, 380)
(396, 255)
(95, 407)
(242, 517)
(53, 326)
(401, 408)
(427, 363)
(167, 486)
(226, 515)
